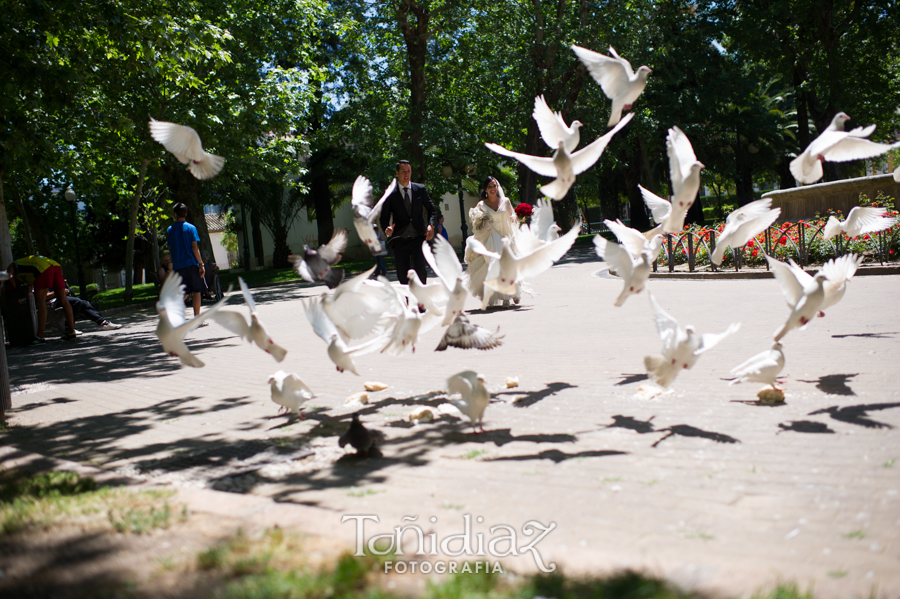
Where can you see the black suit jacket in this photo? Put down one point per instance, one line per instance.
(395, 208)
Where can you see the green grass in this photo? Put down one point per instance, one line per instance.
(115, 298)
(273, 565)
(856, 534)
(38, 501)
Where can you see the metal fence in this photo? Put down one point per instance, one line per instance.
(799, 241)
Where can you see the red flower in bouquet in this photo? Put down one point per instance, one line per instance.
(523, 210)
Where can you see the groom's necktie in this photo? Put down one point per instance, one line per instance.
(406, 201)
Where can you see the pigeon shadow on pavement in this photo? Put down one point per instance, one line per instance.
(686, 430)
(558, 456)
(804, 426)
(628, 379)
(533, 397)
(858, 414)
(867, 335)
(100, 358)
(834, 384)
(639, 426)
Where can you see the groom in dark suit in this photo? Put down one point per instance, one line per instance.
(409, 230)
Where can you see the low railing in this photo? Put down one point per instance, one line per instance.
(799, 241)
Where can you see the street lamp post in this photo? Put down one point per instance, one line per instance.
(70, 197)
(246, 242)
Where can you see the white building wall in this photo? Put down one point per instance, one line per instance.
(305, 232)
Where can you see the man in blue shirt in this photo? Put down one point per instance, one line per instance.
(185, 250)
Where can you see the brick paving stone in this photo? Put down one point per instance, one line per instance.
(819, 509)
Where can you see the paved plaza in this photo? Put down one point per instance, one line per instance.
(701, 485)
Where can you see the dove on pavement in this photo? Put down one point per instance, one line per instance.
(616, 78)
(474, 396)
(563, 165)
(764, 367)
(184, 143)
(836, 145)
(682, 347)
(289, 391)
(360, 438)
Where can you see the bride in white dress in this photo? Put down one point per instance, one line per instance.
(492, 220)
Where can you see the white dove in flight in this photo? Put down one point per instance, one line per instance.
(184, 143)
(837, 272)
(254, 331)
(173, 326)
(338, 351)
(632, 260)
(616, 78)
(744, 224)
(836, 145)
(553, 128)
(684, 173)
(563, 165)
(365, 214)
(681, 347)
(859, 222)
(445, 264)
(804, 294)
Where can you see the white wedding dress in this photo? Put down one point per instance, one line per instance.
(490, 227)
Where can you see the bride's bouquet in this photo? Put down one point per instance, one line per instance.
(523, 212)
(480, 220)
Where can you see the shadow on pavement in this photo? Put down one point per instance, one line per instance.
(558, 456)
(858, 414)
(834, 384)
(533, 397)
(804, 426)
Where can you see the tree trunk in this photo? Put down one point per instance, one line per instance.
(132, 228)
(416, 39)
(322, 199)
(258, 248)
(20, 208)
(6, 255)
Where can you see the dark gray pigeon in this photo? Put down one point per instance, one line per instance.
(462, 333)
(360, 438)
(317, 265)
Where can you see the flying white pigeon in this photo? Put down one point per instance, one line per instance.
(506, 270)
(836, 145)
(764, 367)
(474, 396)
(405, 331)
(553, 128)
(184, 143)
(804, 295)
(859, 222)
(433, 296)
(365, 214)
(838, 273)
(681, 347)
(255, 331)
(542, 229)
(563, 165)
(340, 354)
(465, 335)
(744, 224)
(173, 326)
(614, 75)
(445, 264)
(684, 173)
(897, 174)
(289, 391)
(632, 261)
(359, 306)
